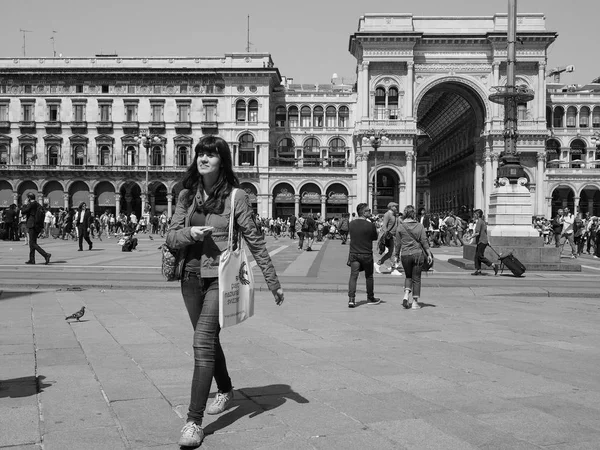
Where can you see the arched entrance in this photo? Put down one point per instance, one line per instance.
(6, 194)
(54, 193)
(310, 199)
(105, 198)
(589, 201)
(337, 201)
(160, 199)
(388, 187)
(25, 188)
(79, 192)
(283, 200)
(250, 189)
(563, 197)
(451, 114)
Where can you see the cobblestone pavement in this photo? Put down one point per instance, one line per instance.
(502, 364)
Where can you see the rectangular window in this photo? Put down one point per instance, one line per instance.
(596, 118)
(131, 113)
(584, 120)
(305, 121)
(157, 89)
(3, 112)
(247, 158)
(105, 113)
(79, 159)
(130, 89)
(157, 113)
(53, 88)
(78, 113)
(252, 115)
(210, 113)
(3, 155)
(183, 113)
(53, 113)
(522, 112)
(105, 88)
(28, 113)
(27, 89)
(183, 89)
(3, 89)
(79, 88)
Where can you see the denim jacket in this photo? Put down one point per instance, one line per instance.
(179, 235)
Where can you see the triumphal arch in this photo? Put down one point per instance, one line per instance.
(424, 82)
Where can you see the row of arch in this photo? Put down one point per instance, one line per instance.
(572, 117)
(312, 117)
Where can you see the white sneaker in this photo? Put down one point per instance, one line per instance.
(415, 305)
(396, 272)
(376, 266)
(192, 435)
(220, 403)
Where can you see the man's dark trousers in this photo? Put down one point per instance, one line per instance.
(33, 245)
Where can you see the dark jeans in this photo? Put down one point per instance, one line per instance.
(201, 297)
(390, 245)
(412, 269)
(344, 236)
(359, 262)
(84, 234)
(300, 239)
(480, 258)
(33, 245)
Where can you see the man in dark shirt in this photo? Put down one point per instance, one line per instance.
(33, 229)
(362, 234)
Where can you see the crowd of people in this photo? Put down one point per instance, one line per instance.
(579, 231)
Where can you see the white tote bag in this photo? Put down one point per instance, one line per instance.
(236, 281)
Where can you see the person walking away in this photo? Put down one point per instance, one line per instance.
(311, 227)
(412, 244)
(557, 227)
(591, 230)
(48, 217)
(578, 234)
(389, 226)
(206, 201)
(344, 227)
(12, 223)
(292, 227)
(568, 232)
(300, 226)
(83, 220)
(34, 227)
(319, 222)
(480, 238)
(360, 257)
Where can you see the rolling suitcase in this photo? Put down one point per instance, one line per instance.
(509, 260)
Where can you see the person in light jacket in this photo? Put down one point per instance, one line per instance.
(205, 201)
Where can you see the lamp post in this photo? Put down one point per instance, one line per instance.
(375, 138)
(147, 139)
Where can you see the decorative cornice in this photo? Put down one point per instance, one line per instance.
(453, 67)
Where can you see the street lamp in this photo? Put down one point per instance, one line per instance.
(375, 138)
(147, 139)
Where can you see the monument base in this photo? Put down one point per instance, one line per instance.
(510, 230)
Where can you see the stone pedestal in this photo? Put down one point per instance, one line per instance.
(510, 229)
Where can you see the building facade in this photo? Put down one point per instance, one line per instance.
(70, 128)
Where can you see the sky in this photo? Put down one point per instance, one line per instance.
(307, 39)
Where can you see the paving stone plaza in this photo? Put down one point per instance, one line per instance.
(487, 363)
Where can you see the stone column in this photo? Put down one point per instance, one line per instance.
(576, 205)
(323, 206)
(541, 92)
(16, 198)
(297, 205)
(478, 187)
(548, 207)
(169, 205)
(144, 198)
(366, 94)
(540, 183)
(92, 203)
(409, 90)
(488, 179)
(362, 178)
(117, 204)
(409, 194)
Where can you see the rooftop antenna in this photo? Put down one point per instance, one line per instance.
(24, 45)
(52, 39)
(248, 36)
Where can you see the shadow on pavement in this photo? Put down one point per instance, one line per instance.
(22, 387)
(4, 295)
(262, 399)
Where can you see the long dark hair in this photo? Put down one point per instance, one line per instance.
(227, 180)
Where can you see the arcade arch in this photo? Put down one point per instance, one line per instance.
(451, 113)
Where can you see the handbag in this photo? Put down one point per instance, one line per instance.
(388, 233)
(172, 263)
(236, 281)
(425, 266)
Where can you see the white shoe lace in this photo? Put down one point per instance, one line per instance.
(190, 429)
(220, 400)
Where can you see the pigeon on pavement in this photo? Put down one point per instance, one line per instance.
(78, 315)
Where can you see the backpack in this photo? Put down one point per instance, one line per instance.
(40, 215)
(304, 225)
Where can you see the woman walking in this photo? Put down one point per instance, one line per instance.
(200, 228)
(412, 244)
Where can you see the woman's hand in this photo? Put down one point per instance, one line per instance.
(199, 233)
(278, 294)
